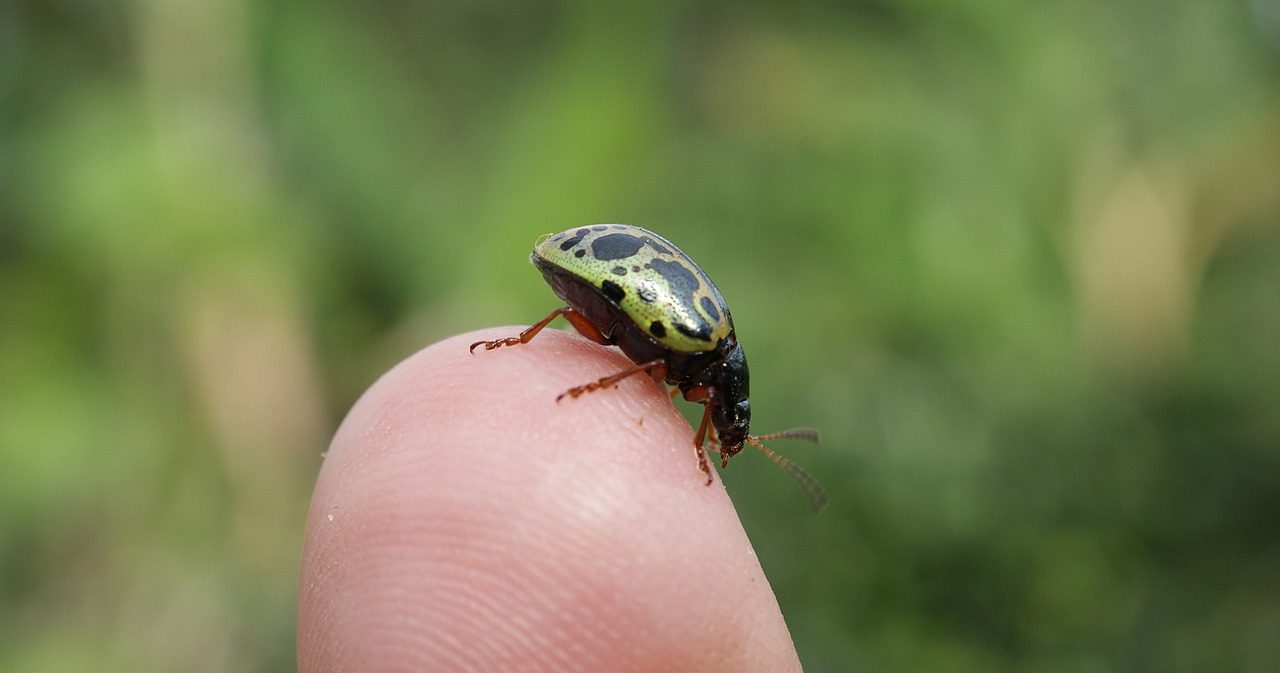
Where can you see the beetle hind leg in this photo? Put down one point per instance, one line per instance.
(576, 319)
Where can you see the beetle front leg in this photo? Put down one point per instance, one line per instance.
(699, 440)
(702, 395)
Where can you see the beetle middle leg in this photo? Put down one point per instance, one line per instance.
(656, 368)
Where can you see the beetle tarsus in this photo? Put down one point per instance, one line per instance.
(703, 464)
(574, 392)
(496, 343)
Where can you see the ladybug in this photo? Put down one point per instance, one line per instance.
(631, 288)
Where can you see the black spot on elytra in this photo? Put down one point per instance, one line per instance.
(579, 253)
(616, 246)
(619, 270)
(599, 227)
(683, 285)
(657, 329)
(576, 239)
(647, 295)
(612, 290)
(700, 334)
(622, 246)
(662, 249)
(710, 307)
(636, 268)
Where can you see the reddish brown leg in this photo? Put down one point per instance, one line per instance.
(654, 367)
(713, 438)
(698, 440)
(702, 395)
(699, 394)
(586, 328)
(572, 316)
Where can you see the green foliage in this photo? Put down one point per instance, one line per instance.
(1021, 264)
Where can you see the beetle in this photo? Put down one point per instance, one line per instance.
(628, 287)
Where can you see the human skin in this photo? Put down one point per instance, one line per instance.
(465, 521)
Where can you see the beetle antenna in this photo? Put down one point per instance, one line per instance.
(812, 489)
(807, 434)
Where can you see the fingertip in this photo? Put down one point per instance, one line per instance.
(464, 518)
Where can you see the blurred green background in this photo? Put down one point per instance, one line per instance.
(1019, 261)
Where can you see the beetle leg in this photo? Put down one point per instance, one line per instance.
(579, 322)
(702, 395)
(698, 440)
(699, 394)
(653, 368)
(586, 328)
(533, 330)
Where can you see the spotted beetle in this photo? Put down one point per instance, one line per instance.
(629, 287)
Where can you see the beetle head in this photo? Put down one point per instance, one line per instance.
(731, 412)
